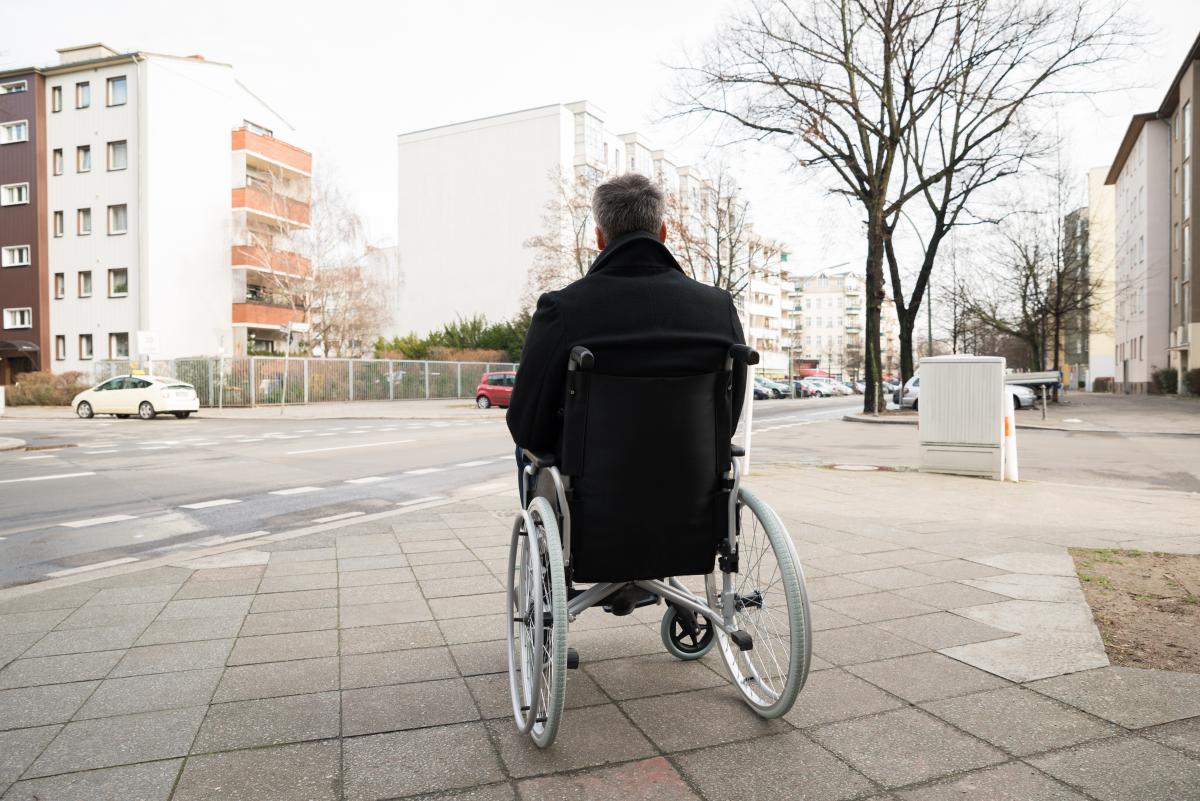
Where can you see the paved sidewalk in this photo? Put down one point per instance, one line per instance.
(954, 659)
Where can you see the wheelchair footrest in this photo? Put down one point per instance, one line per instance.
(572, 659)
(742, 640)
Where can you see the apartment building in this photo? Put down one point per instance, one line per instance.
(1180, 107)
(168, 203)
(24, 295)
(766, 306)
(1141, 300)
(830, 322)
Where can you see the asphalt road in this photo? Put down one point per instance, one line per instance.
(95, 491)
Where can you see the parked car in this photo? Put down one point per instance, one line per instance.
(761, 393)
(860, 387)
(1023, 397)
(143, 395)
(774, 389)
(822, 387)
(495, 389)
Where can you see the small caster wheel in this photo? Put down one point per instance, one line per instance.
(685, 634)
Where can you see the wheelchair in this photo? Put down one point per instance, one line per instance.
(602, 513)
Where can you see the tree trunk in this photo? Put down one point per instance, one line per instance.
(907, 363)
(873, 402)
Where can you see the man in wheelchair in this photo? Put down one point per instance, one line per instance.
(629, 391)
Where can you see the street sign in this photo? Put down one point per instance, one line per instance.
(147, 343)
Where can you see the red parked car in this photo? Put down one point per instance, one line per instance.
(494, 389)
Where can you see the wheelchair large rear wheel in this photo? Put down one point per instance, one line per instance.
(537, 634)
(772, 606)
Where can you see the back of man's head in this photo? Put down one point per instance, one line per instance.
(628, 203)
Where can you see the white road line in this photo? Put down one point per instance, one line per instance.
(423, 471)
(294, 490)
(366, 480)
(339, 428)
(209, 504)
(99, 565)
(97, 521)
(101, 445)
(46, 478)
(97, 453)
(246, 441)
(330, 434)
(389, 428)
(306, 431)
(202, 443)
(43, 456)
(344, 447)
(343, 516)
(156, 448)
(415, 501)
(473, 464)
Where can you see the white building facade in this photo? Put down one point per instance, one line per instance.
(829, 320)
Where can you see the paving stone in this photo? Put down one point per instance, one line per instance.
(615, 643)
(865, 643)
(68, 598)
(1125, 769)
(154, 593)
(150, 781)
(1013, 781)
(1058, 563)
(825, 587)
(14, 645)
(272, 679)
(1183, 735)
(892, 578)
(311, 581)
(244, 571)
(840, 563)
(359, 563)
(58, 669)
(769, 768)
(378, 594)
(161, 632)
(406, 706)
(19, 748)
(956, 569)
(126, 696)
(467, 605)
(1033, 617)
(1019, 721)
(450, 570)
(173, 656)
(87, 617)
(217, 589)
(824, 618)
(1032, 587)
(476, 629)
(646, 780)
(301, 568)
(280, 647)
(461, 586)
(424, 760)
(33, 621)
(942, 630)
(594, 735)
(302, 555)
(268, 721)
(384, 614)
(907, 557)
(1028, 657)
(877, 606)
(285, 622)
(397, 667)
(480, 657)
(122, 740)
(904, 746)
(142, 578)
(38, 706)
(863, 545)
(230, 606)
(831, 695)
(440, 557)
(925, 677)
(371, 639)
(288, 601)
(949, 595)
(363, 578)
(1132, 697)
(640, 676)
(78, 641)
(696, 719)
(293, 772)
(450, 543)
(492, 695)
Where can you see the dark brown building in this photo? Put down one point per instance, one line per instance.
(24, 274)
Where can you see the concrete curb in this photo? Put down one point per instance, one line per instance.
(912, 421)
(11, 444)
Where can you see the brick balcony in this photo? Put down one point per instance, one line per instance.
(260, 258)
(272, 150)
(265, 315)
(275, 207)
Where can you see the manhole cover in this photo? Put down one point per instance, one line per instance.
(858, 468)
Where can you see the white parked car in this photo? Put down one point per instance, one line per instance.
(143, 395)
(1023, 397)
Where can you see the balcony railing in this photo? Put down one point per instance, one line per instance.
(274, 206)
(265, 314)
(264, 259)
(272, 150)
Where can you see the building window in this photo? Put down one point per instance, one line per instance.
(60, 347)
(118, 346)
(118, 283)
(85, 346)
(14, 194)
(1187, 128)
(18, 318)
(12, 87)
(83, 222)
(118, 155)
(13, 132)
(57, 161)
(83, 158)
(58, 223)
(15, 256)
(56, 98)
(1141, 349)
(116, 91)
(118, 219)
(60, 286)
(85, 283)
(83, 94)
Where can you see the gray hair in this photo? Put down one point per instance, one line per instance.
(627, 203)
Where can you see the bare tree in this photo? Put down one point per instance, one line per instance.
(565, 248)
(861, 89)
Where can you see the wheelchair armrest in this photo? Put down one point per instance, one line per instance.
(742, 353)
(540, 461)
(737, 450)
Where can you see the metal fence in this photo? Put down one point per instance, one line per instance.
(261, 380)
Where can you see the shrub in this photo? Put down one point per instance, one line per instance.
(1191, 380)
(1104, 384)
(45, 389)
(443, 354)
(1164, 381)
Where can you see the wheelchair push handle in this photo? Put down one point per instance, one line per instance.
(581, 359)
(744, 354)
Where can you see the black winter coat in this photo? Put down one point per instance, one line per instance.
(640, 315)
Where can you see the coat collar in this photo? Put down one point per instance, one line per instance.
(640, 245)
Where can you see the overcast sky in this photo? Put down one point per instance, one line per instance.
(350, 75)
